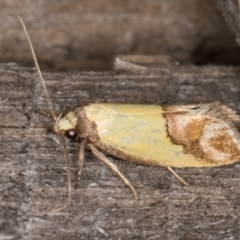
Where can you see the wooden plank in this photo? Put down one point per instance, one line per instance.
(32, 170)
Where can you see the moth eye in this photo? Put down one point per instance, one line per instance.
(71, 134)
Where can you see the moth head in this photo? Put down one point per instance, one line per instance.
(66, 125)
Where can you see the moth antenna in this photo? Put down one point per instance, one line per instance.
(68, 176)
(45, 113)
(37, 66)
(53, 115)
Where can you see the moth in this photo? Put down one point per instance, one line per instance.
(179, 136)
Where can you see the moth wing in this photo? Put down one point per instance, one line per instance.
(147, 133)
(208, 131)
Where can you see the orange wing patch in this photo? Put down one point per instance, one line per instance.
(208, 131)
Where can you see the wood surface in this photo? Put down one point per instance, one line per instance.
(75, 35)
(33, 179)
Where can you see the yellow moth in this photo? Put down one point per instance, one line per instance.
(203, 135)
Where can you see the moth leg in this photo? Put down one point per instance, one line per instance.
(177, 176)
(114, 168)
(80, 159)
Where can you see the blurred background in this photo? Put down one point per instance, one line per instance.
(73, 35)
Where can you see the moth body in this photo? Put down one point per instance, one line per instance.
(171, 136)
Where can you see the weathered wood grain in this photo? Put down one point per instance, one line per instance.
(32, 169)
(88, 35)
